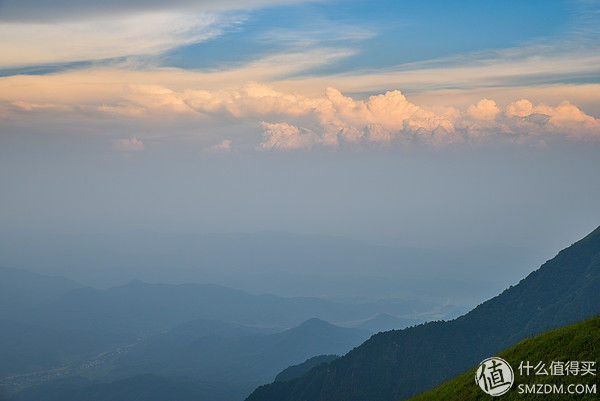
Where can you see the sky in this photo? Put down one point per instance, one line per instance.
(429, 124)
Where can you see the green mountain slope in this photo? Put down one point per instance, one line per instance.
(577, 342)
(399, 364)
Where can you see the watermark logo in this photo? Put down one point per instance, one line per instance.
(495, 376)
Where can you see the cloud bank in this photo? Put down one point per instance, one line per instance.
(390, 119)
(292, 121)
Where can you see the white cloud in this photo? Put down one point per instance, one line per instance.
(390, 119)
(282, 136)
(129, 145)
(221, 147)
(95, 39)
(485, 109)
(520, 108)
(296, 119)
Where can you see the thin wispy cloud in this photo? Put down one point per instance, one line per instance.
(67, 10)
(478, 70)
(27, 44)
(315, 36)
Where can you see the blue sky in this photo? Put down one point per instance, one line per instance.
(384, 33)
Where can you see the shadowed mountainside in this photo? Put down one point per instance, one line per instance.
(295, 371)
(577, 342)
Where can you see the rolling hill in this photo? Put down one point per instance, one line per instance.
(399, 364)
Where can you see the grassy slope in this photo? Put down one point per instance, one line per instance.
(577, 342)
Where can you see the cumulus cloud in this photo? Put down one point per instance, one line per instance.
(221, 147)
(520, 108)
(292, 120)
(129, 145)
(485, 109)
(391, 119)
(282, 136)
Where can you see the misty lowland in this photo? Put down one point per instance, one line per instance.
(63, 340)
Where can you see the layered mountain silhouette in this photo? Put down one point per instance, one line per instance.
(138, 308)
(197, 360)
(48, 322)
(398, 364)
(235, 354)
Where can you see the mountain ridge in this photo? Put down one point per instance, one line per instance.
(406, 362)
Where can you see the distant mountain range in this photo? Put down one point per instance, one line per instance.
(577, 342)
(139, 307)
(197, 360)
(398, 364)
(204, 341)
(47, 322)
(281, 263)
(53, 328)
(236, 354)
